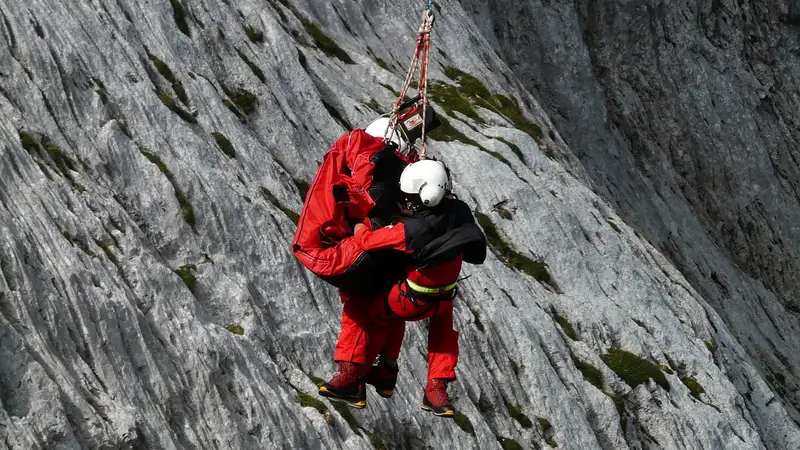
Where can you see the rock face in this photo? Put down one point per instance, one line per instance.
(634, 165)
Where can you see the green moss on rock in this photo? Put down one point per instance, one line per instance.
(186, 272)
(100, 89)
(666, 369)
(619, 403)
(590, 373)
(293, 216)
(169, 102)
(244, 100)
(187, 211)
(510, 109)
(694, 386)
(344, 410)
(374, 105)
(307, 400)
(29, 142)
(514, 148)
(469, 85)
(337, 115)
(179, 14)
(516, 413)
(316, 380)
(253, 67)
(547, 431)
(509, 444)
(61, 160)
(254, 35)
(565, 325)
(469, 92)
(446, 132)
(509, 256)
(376, 441)
(106, 247)
(235, 328)
(224, 144)
(382, 64)
(239, 115)
(463, 422)
(325, 42)
(168, 75)
(451, 99)
(633, 369)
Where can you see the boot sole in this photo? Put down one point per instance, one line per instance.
(385, 394)
(353, 402)
(449, 413)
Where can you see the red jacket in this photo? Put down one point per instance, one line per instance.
(319, 242)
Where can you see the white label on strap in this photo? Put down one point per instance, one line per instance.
(413, 122)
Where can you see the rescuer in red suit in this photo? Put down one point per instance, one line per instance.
(356, 183)
(436, 233)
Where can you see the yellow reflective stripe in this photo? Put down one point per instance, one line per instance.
(426, 290)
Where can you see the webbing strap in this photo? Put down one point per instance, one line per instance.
(427, 290)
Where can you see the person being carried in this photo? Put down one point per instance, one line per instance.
(357, 183)
(437, 233)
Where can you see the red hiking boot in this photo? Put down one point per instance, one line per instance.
(346, 386)
(436, 399)
(383, 378)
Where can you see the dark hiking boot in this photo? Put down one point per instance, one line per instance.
(436, 399)
(383, 378)
(346, 386)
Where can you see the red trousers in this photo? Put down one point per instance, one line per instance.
(369, 328)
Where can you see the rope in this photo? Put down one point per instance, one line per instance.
(423, 78)
(420, 53)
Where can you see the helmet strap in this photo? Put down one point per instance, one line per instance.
(411, 203)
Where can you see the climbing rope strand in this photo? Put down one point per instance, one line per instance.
(421, 51)
(424, 85)
(392, 123)
(393, 118)
(424, 30)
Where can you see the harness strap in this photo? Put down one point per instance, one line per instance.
(431, 290)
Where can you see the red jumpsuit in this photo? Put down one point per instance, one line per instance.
(344, 191)
(319, 242)
(377, 324)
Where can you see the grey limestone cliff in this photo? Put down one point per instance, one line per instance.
(634, 165)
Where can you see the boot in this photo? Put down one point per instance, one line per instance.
(436, 399)
(346, 386)
(383, 378)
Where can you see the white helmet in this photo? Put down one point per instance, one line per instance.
(378, 128)
(428, 178)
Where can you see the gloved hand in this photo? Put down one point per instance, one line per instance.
(345, 215)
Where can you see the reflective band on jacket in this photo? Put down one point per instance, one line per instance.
(426, 290)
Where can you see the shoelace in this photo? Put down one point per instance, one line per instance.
(345, 372)
(440, 390)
